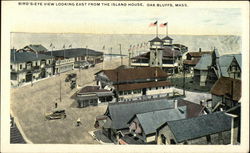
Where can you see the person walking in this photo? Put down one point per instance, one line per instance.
(78, 122)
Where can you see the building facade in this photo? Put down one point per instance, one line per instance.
(162, 54)
(92, 96)
(147, 81)
(29, 67)
(214, 128)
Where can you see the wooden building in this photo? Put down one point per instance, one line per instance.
(135, 122)
(92, 96)
(29, 67)
(132, 83)
(34, 48)
(162, 54)
(114, 122)
(144, 125)
(67, 59)
(192, 58)
(214, 128)
(229, 66)
(226, 93)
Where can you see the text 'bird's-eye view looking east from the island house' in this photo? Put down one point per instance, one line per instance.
(157, 87)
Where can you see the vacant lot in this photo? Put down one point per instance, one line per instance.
(30, 103)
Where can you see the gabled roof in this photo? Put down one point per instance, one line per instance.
(193, 109)
(225, 61)
(20, 57)
(156, 39)
(121, 113)
(132, 74)
(74, 52)
(37, 47)
(150, 121)
(223, 87)
(167, 38)
(204, 62)
(192, 128)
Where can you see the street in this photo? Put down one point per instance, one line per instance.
(30, 103)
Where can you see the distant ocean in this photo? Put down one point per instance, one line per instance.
(225, 44)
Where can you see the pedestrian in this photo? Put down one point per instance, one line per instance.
(78, 122)
(56, 105)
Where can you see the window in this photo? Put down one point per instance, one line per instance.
(163, 139)
(11, 67)
(208, 139)
(149, 88)
(156, 88)
(129, 92)
(172, 141)
(20, 66)
(163, 87)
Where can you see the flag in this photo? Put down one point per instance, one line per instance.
(153, 24)
(163, 24)
(70, 46)
(64, 46)
(103, 48)
(51, 45)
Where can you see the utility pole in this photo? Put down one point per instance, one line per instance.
(121, 54)
(117, 89)
(110, 53)
(184, 71)
(60, 90)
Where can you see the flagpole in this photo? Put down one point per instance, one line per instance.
(167, 29)
(156, 28)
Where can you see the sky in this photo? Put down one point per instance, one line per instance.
(190, 20)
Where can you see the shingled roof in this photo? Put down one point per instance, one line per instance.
(74, 52)
(121, 113)
(131, 74)
(167, 38)
(156, 39)
(223, 87)
(225, 61)
(20, 57)
(204, 62)
(191, 62)
(192, 128)
(168, 52)
(37, 47)
(193, 109)
(199, 54)
(150, 121)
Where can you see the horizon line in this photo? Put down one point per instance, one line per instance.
(126, 34)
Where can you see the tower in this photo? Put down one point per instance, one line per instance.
(167, 41)
(156, 47)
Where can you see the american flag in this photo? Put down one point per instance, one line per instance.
(153, 24)
(163, 24)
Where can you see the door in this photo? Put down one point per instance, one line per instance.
(28, 77)
(144, 91)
